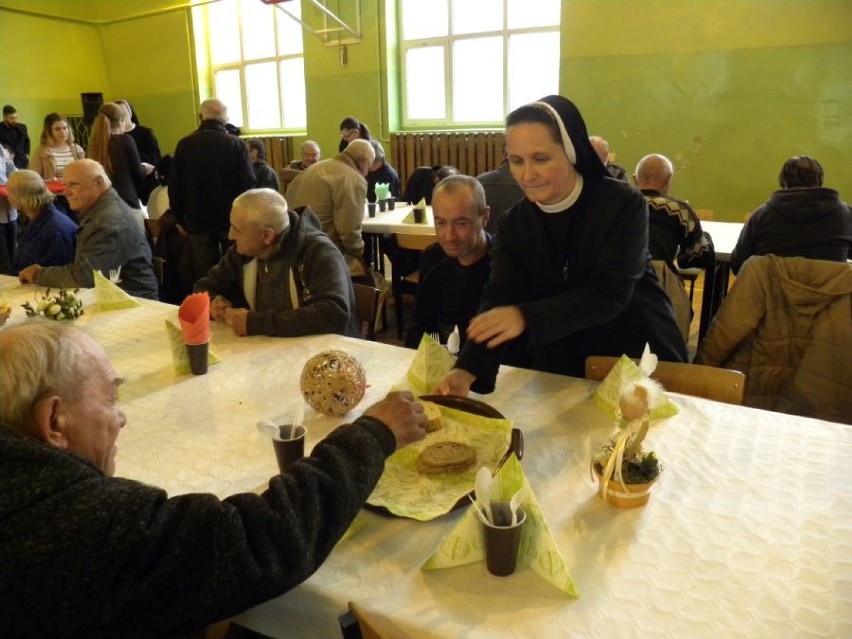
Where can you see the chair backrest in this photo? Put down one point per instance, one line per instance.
(705, 215)
(719, 384)
(285, 176)
(414, 241)
(367, 304)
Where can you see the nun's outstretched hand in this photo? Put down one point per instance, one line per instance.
(497, 326)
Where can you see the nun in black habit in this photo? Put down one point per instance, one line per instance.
(571, 275)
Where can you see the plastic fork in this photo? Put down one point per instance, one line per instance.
(436, 337)
(115, 275)
(515, 503)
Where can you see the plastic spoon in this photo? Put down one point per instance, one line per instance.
(453, 341)
(298, 417)
(269, 429)
(482, 488)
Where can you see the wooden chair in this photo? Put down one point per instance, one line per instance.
(367, 301)
(285, 176)
(709, 382)
(406, 282)
(353, 625)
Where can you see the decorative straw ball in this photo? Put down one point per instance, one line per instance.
(333, 382)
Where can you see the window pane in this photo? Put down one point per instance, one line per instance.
(527, 51)
(293, 92)
(425, 98)
(264, 109)
(258, 30)
(222, 21)
(478, 87)
(533, 13)
(424, 19)
(289, 31)
(228, 91)
(476, 16)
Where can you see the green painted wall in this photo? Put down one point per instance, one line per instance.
(728, 89)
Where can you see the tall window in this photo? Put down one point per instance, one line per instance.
(257, 63)
(473, 61)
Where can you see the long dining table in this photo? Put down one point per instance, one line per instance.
(747, 533)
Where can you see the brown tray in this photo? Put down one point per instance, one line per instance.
(475, 407)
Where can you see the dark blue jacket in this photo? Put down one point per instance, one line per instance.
(48, 240)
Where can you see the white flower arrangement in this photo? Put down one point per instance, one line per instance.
(62, 306)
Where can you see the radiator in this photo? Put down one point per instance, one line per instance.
(279, 151)
(471, 152)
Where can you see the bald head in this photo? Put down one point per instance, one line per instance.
(601, 147)
(85, 182)
(214, 109)
(654, 172)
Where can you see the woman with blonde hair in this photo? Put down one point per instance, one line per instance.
(56, 148)
(117, 153)
(49, 238)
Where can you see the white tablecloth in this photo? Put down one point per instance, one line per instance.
(392, 222)
(748, 533)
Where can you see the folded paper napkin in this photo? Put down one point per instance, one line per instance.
(538, 550)
(194, 316)
(382, 191)
(624, 372)
(110, 297)
(405, 492)
(180, 358)
(431, 362)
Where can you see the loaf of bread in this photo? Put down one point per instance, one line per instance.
(446, 457)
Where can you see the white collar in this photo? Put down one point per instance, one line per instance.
(568, 202)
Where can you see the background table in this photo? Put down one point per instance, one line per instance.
(748, 532)
(717, 277)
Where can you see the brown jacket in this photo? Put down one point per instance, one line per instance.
(787, 324)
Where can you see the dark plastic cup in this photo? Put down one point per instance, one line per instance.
(391, 204)
(197, 354)
(383, 205)
(419, 214)
(290, 447)
(502, 540)
(371, 209)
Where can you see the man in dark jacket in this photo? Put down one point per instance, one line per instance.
(803, 219)
(283, 276)
(85, 554)
(209, 169)
(14, 136)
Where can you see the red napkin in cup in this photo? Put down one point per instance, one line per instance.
(194, 316)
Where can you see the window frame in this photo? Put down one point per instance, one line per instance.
(241, 64)
(446, 42)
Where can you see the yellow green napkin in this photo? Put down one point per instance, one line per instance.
(431, 362)
(624, 372)
(179, 355)
(538, 550)
(408, 493)
(110, 296)
(409, 218)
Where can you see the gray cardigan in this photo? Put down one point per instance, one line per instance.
(108, 237)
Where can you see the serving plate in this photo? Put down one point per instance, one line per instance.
(474, 407)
